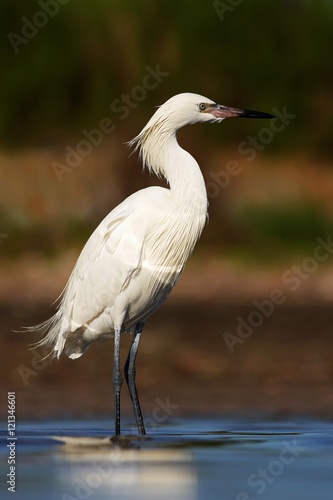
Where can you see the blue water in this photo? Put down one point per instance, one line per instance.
(185, 459)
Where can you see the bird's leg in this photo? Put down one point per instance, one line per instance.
(130, 377)
(117, 380)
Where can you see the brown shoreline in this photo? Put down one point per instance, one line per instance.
(283, 368)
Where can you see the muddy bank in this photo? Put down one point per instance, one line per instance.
(284, 366)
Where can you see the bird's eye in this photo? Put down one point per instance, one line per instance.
(202, 106)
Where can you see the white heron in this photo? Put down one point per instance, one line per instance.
(134, 258)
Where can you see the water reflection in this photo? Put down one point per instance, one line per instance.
(122, 469)
(182, 460)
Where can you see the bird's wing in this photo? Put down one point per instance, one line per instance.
(109, 260)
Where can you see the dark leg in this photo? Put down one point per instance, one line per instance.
(117, 381)
(130, 377)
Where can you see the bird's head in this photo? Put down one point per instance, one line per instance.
(178, 111)
(187, 108)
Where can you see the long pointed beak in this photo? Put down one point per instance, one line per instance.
(220, 111)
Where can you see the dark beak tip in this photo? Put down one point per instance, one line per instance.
(249, 113)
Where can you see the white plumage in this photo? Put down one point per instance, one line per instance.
(133, 259)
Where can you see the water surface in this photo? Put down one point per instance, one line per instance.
(185, 459)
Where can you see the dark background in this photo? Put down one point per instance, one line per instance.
(64, 67)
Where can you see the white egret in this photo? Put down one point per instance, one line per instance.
(133, 259)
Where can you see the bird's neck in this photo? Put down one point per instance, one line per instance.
(186, 206)
(167, 159)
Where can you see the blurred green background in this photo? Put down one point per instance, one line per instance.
(261, 54)
(70, 68)
(64, 64)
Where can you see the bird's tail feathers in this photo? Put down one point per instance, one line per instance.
(50, 333)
